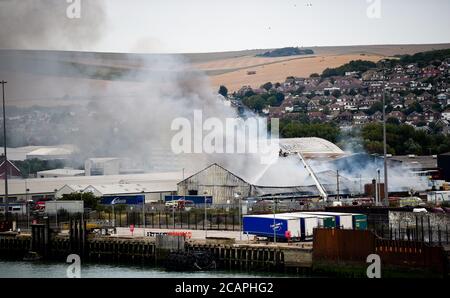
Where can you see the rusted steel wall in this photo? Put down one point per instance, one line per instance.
(410, 254)
(343, 245)
(337, 245)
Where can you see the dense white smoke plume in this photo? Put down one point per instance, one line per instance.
(123, 105)
(46, 25)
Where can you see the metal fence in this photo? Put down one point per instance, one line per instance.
(164, 220)
(436, 235)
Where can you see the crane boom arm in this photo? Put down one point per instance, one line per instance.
(319, 186)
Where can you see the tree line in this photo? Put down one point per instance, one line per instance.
(401, 139)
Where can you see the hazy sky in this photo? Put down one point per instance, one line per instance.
(213, 25)
(220, 25)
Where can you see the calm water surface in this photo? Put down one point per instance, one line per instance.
(15, 269)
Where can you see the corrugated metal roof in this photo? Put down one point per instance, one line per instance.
(48, 185)
(68, 172)
(134, 188)
(20, 153)
(310, 146)
(50, 151)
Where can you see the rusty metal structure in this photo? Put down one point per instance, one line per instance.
(335, 246)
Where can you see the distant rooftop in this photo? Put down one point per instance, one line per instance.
(55, 151)
(417, 161)
(310, 146)
(62, 172)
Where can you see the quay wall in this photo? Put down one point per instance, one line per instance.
(269, 258)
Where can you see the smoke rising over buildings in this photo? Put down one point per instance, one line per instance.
(45, 25)
(123, 105)
(126, 110)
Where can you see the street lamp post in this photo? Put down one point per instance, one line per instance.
(386, 195)
(4, 148)
(27, 204)
(379, 187)
(237, 196)
(206, 226)
(113, 202)
(82, 211)
(143, 211)
(274, 220)
(337, 185)
(173, 213)
(56, 206)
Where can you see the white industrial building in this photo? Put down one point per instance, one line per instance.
(110, 166)
(214, 181)
(152, 191)
(50, 153)
(41, 152)
(38, 188)
(289, 175)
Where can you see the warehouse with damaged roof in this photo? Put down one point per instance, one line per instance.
(287, 176)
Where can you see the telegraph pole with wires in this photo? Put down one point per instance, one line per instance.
(5, 200)
(386, 195)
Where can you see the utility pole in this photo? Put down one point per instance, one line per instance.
(274, 220)
(379, 187)
(386, 197)
(206, 225)
(237, 197)
(337, 185)
(360, 184)
(143, 211)
(5, 200)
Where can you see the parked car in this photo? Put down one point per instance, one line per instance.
(180, 205)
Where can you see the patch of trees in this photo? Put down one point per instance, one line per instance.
(354, 65)
(301, 128)
(223, 91)
(288, 51)
(90, 201)
(403, 139)
(34, 165)
(425, 58)
(258, 102)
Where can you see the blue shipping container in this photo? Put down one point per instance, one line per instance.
(264, 227)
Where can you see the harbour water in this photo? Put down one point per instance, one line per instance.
(16, 269)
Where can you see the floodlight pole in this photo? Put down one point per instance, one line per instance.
(386, 196)
(143, 211)
(274, 220)
(206, 225)
(337, 185)
(237, 197)
(379, 187)
(113, 202)
(173, 212)
(56, 206)
(5, 200)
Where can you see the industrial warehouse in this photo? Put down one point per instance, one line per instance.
(306, 168)
(313, 188)
(235, 147)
